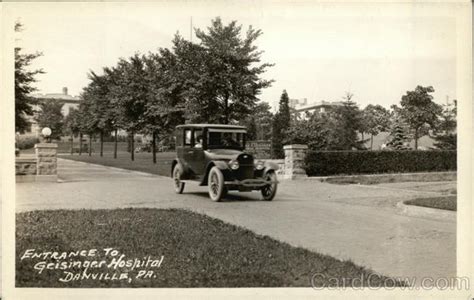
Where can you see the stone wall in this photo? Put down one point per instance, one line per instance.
(25, 166)
(294, 161)
(292, 167)
(42, 166)
(46, 159)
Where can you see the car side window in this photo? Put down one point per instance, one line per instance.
(197, 138)
(187, 137)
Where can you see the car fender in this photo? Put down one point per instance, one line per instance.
(178, 161)
(222, 165)
(270, 166)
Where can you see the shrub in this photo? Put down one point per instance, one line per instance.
(325, 163)
(26, 141)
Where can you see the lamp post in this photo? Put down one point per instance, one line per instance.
(46, 132)
(17, 139)
(115, 137)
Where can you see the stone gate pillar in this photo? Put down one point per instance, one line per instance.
(46, 162)
(294, 161)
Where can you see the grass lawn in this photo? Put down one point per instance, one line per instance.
(447, 203)
(383, 178)
(197, 251)
(143, 161)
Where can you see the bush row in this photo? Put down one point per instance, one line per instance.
(65, 147)
(326, 163)
(26, 141)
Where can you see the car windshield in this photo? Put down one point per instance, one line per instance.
(229, 139)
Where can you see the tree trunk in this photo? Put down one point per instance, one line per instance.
(226, 110)
(132, 146)
(416, 139)
(80, 143)
(90, 144)
(371, 142)
(115, 144)
(72, 143)
(101, 143)
(153, 147)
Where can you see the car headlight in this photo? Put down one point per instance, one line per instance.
(234, 165)
(259, 165)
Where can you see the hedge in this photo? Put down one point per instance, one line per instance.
(326, 163)
(26, 141)
(65, 147)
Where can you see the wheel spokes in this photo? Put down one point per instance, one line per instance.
(268, 189)
(214, 184)
(177, 181)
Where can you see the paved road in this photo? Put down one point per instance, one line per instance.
(356, 222)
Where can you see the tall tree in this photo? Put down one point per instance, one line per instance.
(264, 121)
(251, 125)
(223, 72)
(163, 108)
(24, 80)
(97, 93)
(376, 119)
(88, 119)
(259, 122)
(71, 125)
(50, 115)
(419, 111)
(445, 133)
(281, 123)
(348, 123)
(113, 76)
(131, 96)
(316, 131)
(398, 135)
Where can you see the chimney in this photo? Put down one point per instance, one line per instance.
(65, 90)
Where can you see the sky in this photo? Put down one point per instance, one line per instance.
(320, 50)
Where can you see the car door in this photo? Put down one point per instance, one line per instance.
(197, 162)
(187, 151)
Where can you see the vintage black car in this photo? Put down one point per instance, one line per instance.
(214, 156)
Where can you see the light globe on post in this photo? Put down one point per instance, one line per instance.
(46, 132)
(17, 140)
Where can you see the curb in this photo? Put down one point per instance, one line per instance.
(394, 177)
(426, 212)
(117, 169)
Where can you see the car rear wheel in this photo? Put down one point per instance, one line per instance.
(269, 191)
(178, 184)
(216, 184)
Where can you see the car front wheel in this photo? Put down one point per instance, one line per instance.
(269, 191)
(178, 184)
(216, 184)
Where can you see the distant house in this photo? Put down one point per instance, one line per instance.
(294, 103)
(302, 107)
(320, 107)
(68, 101)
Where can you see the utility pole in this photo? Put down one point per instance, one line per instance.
(191, 30)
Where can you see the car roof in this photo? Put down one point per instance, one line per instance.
(211, 126)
